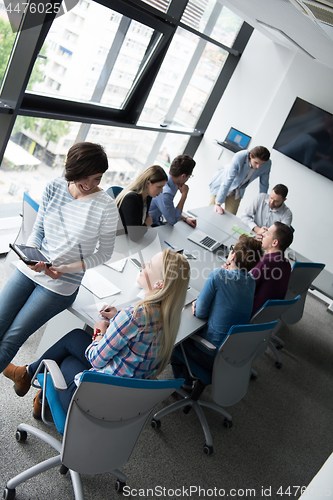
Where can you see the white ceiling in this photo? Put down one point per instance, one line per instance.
(289, 21)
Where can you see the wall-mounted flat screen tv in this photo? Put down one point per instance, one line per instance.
(307, 137)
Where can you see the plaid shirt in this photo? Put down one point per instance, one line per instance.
(129, 348)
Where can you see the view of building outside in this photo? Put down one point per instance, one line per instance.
(80, 64)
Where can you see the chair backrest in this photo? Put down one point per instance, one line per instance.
(105, 418)
(302, 275)
(113, 191)
(29, 213)
(272, 310)
(233, 361)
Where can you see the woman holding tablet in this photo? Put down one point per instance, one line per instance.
(134, 342)
(75, 217)
(134, 201)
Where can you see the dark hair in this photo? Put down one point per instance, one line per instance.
(85, 159)
(281, 190)
(284, 235)
(260, 152)
(248, 252)
(182, 164)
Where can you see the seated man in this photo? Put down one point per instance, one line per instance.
(267, 209)
(180, 171)
(273, 271)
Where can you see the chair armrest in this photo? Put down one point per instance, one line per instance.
(205, 343)
(53, 369)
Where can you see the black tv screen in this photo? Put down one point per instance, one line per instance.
(307, 137)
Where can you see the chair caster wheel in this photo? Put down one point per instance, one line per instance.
(8, 494)
(21, 436)
(208, 450)
(119, 486)
(253, 376)
(156, 424)
(63, 469)
(227, 423)
(278, 347)
(278, 365)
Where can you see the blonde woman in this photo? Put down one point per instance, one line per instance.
(134, 201)
(133, 342)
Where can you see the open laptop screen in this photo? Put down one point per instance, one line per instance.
(238, 138)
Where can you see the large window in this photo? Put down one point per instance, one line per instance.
(136, 77)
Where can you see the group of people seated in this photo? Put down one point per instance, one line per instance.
(76, 227)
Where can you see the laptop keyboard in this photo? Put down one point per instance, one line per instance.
(208, 242)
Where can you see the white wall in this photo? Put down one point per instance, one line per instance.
(257, 101)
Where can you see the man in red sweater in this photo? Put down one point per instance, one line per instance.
(273, 271)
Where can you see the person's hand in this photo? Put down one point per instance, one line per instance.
(183, 188)
(193, 307)
(109, 313)
(225, 265)
(191, 222)
(260, 230)
(101, 325)
(52, 272)
(39, 267)
(219, 209)
(149, 220)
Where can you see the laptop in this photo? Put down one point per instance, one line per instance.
(235, 140)
(204, 240)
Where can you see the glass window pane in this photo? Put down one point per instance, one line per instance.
(161, 5)
(184, 82)
(7, 39)
(37, 150)
(226, 24)
(113, 53)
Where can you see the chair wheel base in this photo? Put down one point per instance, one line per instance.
(208, 450)
(8, 494)
(278, 365)
(227, 423)
(21, 436)
(119, 486)
(156, 424)
(63, 469)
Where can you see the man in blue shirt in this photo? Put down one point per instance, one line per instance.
(180, 171)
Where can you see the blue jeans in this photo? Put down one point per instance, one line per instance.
(68, 353)
(24, 307)
(203, 359)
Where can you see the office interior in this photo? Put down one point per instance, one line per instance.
(255, 96)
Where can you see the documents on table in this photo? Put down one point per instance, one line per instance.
(98, 285)
(93, 310)
(118, 265)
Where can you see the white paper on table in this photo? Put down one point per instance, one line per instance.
(118, 265)
(93, 310)
(98, 285)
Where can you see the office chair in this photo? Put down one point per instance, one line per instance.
(29, 213)
(113, 191)
(103, 422)
(229, 378)
(272, 310)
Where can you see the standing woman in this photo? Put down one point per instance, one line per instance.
(74, 218)
(134, 201)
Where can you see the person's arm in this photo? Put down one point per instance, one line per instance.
(264, 177)
(122, 328)
(204, 301)
(232, 170)
(287, 217)
(37, 234)
(171, 213)
(249, 214)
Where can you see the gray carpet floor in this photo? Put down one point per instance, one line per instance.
(282, 431)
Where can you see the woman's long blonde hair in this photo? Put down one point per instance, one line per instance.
(155, 173)
(171, 297)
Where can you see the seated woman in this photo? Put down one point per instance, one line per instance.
(134, 201)
(134, 342)
(226, 300)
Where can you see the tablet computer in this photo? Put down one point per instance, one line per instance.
(30, 255)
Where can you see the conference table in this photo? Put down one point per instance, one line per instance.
(224, 228)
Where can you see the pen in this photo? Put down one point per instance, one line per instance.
(107, 307)
(169, 245)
